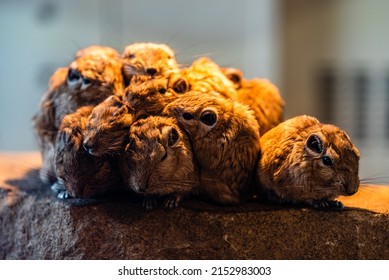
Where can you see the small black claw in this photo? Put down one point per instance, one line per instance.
(327, 204)
(150, 203)
(171, 202)
(64, 195)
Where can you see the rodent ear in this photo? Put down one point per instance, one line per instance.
(116, 101)
(181, 85)
(74, 77)
(234, 75)
(208, 117)
(172, 137)
(315, 144)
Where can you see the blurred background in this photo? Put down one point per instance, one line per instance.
(330, 59)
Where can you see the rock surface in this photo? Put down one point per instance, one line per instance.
(36, 225)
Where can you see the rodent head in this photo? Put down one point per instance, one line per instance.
(206, 76)
(305, 160)
(95, 77)
(201, 115)
(148, 59)
(83, 175)
(158, 158)
(107, 127)
(334, 161)
(149, 95)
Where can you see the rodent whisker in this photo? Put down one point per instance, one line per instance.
(379, 178)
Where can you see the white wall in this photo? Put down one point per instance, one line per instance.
(35, 41)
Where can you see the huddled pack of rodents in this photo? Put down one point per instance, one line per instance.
(141, 121)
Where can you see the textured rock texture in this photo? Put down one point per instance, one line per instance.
(35, 225)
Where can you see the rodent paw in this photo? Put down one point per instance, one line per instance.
(327, 204)
(64, 195)
(150, 203)
(171, 202)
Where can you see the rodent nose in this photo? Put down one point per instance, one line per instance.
(151, 71)
(351, 189)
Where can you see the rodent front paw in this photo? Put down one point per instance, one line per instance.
(64, 195)
(327, 204)
(150, 203)
(171, 202)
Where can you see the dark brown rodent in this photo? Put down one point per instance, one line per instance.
(158, 161)
(225, 140)
(148, 59)
(79, 174)
(305, 161)
(261, 96)
(107, 127)
(87, 81)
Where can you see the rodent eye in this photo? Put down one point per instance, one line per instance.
(208, 117)
(326, 160)
(162, 90)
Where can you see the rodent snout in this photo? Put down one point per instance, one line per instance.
(351, 189)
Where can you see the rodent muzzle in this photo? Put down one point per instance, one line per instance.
(351, 189)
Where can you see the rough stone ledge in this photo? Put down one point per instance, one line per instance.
(35, 225)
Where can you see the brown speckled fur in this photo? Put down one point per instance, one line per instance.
(294, 173)
(81, 174)
(205, 76)
(138, 58)
(158, 160)
(149, 95)
(104, 74)
(227, 152)
(107, 127)
(261, 96)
